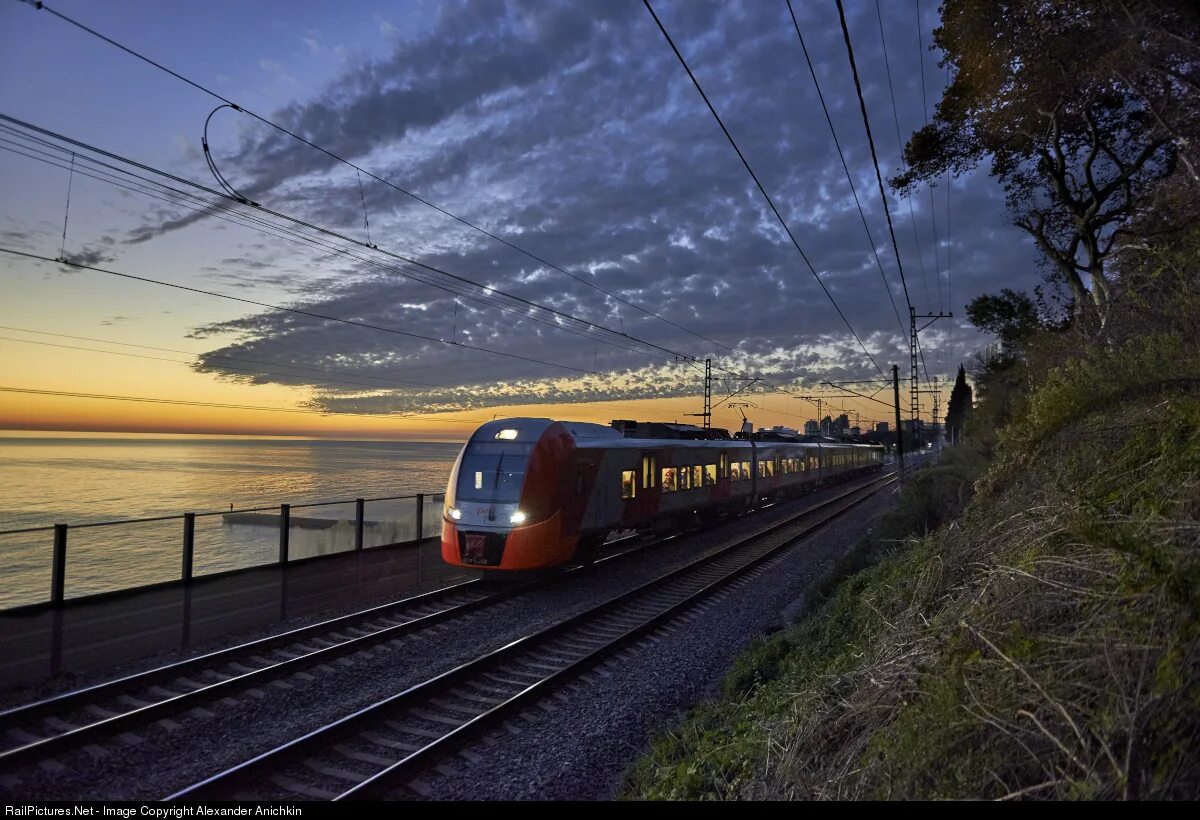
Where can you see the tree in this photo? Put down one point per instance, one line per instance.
(1081, 106)
(1010, 316)
(961, 402)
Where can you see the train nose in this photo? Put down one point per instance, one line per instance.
(523, 546)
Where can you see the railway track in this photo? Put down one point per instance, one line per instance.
(383, 747)
(47, 727)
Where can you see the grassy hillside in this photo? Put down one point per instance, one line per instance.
(1043, 641)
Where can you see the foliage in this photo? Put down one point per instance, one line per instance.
(1081, 107)
(959, 409)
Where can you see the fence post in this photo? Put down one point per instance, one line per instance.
(420, 516)
(189, 543)
(359, 510)
(285, 524)
(58, 575)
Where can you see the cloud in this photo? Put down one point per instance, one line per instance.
(578, 137)
(89, 256)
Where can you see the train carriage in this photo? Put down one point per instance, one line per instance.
(533, 493)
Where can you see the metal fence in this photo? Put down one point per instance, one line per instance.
(107, 556)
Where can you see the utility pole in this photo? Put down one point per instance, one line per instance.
(819, 402)
(707, 414)
(937, 417)
(913, 401)
(899, 432)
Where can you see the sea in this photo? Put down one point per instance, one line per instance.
(87, 481)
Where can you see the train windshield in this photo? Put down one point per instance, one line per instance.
(492, 473)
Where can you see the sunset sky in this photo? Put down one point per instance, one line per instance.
(569, 130)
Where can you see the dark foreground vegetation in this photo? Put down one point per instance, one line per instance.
(1026, 622)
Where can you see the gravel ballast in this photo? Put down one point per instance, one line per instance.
(601, 725)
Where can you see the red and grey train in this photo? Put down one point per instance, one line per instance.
(531, 493)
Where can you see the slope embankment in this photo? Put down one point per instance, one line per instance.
(1042, 639)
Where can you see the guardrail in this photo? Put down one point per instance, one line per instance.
(349, 524)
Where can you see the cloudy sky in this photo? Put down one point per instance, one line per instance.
(567, 129)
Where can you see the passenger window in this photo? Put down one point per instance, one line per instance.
(710, 474)
(685, 477)
(746, 469)
(668, 479)
(628, 483)
(736, 473)
(697, 475)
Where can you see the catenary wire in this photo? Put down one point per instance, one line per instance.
(298, 311)
(761, 189)
(846, 168)
(138, 55)
(525, 303)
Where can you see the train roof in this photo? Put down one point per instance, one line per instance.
(589, 435)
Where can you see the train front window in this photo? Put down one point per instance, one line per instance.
(493, 473)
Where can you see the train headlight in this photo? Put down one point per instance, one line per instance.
(507, 434)
(518, 517)
(455, 513)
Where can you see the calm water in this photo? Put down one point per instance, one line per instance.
(76, 481)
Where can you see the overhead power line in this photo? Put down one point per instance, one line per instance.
(925, 112)
(846, 168)
(520, 303)
(912, 214)
(224, 406)
(165, 193)
(384, 382)
(282, 129)
(862, 104)
(759, 184)
(244, 370)
(297, 311)
(135, 183)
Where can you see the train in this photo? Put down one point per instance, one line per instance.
(535, 493)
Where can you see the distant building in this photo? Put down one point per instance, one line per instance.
(881, 427)
(812, 428)
(840, 426)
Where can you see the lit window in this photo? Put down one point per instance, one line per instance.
(736, 472)
(770, 469)
(762, 469)
(697, 475)
(684, 475)
(628, 483)
(649, 469)
(746, 470)
(710, 474)
(668, 480)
